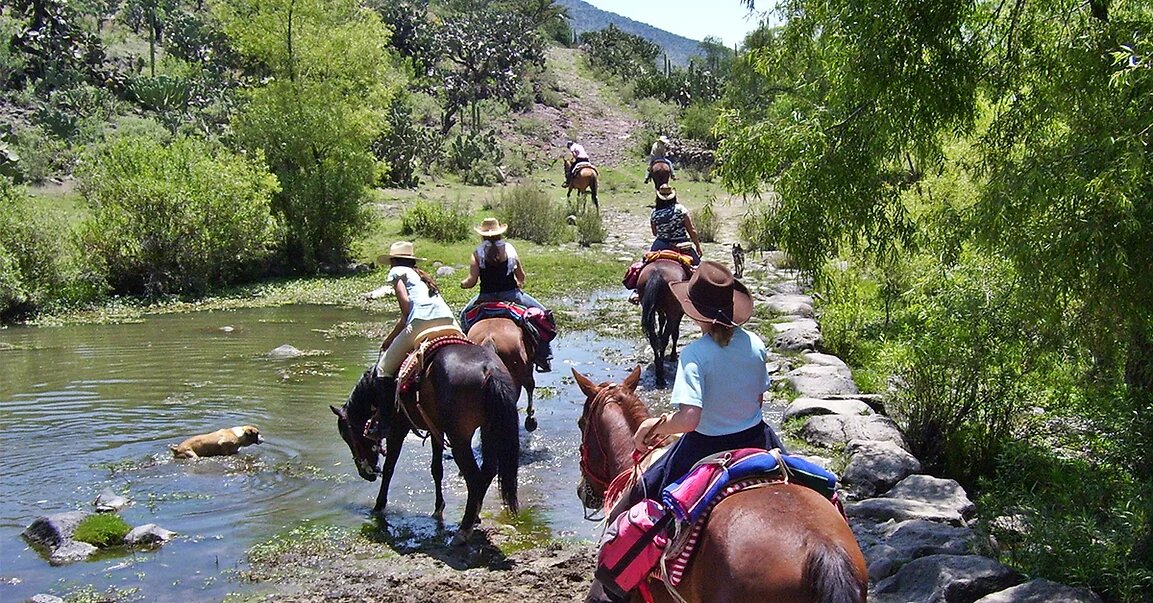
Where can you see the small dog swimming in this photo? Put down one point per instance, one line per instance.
(738, 260)
(221, 442)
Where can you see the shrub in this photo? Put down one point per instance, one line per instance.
(405, 146)
(761, 227)
(41, 154)
(34, 255)
(531, 215)
(590, 228)
(178, 218)
(102, 530)
(707, 223)
(437, 221)
(697, 121)
(475, 157)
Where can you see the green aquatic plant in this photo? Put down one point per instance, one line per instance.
(102, 530)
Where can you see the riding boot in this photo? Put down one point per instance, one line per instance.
(375, 429)
(543, 360)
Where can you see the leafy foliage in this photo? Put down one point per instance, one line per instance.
(315, 119)
(56, 50)
(622, 54)
(442, 222)
(531, 215)
(102, 530)
(172, 219)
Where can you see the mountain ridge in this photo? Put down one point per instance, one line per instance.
(586, 17)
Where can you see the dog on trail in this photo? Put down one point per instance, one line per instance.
(221, 442)
(738, 260)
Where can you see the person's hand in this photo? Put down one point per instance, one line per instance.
(641, 439)
(700, 251)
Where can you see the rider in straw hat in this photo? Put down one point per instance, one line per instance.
(660, 152)
(719, 389)
(495, 264)
(672, 226)
(423, 314)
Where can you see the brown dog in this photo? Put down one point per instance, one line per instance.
(218, 443)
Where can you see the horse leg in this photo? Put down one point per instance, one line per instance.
(476, 481)
(530, 414)
(593, 188)
(392, 445)
(676, 333)
(437, 479)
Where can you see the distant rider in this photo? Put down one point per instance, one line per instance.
(578, 155)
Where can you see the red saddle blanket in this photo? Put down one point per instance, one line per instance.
(539, 323)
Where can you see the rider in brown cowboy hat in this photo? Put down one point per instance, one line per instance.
(719, 389)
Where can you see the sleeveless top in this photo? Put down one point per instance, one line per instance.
(498, 277)
(424, 305)
(669, 223)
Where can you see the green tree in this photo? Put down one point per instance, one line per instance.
(329, 81)
(623, 54)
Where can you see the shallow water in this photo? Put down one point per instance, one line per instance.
(83, 408)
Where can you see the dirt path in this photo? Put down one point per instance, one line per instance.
(594, 117)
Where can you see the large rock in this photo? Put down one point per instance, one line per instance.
(908, 540)
(824, 359)
(821, 380)
(935, 491)
(879, 510)
(285, 351)
(148, 534)
(805, 407)
(1042, 591)
(71, 552)
(110, 502)
(832, 431)
(875, 466)
(945, 579)
(791, 305)
(52, 531)
(797, 335)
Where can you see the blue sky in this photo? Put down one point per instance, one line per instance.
(695, 19)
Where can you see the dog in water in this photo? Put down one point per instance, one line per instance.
(221, 442)
(738, 260)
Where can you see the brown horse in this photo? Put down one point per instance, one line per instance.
(661, 313)
(464, 388)
(782, 543)
(583, 179)
(659, 173)
(516, 349)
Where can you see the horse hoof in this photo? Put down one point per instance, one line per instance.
(459, 539)
(530, 424)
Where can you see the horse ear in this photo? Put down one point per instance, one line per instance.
(633, 379)
(588, 387)
(336, 411)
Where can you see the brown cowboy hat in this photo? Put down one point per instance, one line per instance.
(399, 249)
(490, 227)
(713, 295)
(666, 193)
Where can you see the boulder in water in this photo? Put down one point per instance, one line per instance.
(285, 351)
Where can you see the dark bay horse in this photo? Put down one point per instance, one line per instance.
(465, 388)
(782, 543)
(516, 350)
(661, 313)
(583, 179)
(659, 173)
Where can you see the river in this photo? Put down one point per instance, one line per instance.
(84, 408)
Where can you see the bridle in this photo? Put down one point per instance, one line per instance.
(601, 479)
(363, 452)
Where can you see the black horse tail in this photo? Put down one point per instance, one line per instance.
(500, 433)
(593, 190)
(650, 303)
(830, 571)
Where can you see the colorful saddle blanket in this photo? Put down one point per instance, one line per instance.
(412, 370)
(634, 270)
(539, 323)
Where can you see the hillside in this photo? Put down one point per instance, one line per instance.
(586, 17)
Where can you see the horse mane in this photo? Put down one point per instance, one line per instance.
(634, 409)
(361, 400)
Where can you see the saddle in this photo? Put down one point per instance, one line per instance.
(633, 272)
(539, 324)
(664, 160)
(580, 165)
(639, 544)
(415, 365)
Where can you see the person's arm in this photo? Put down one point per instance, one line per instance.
(518, 273)
(651, 429)
(405, 305)
(473, 273)
(693, 233)
(653, 226)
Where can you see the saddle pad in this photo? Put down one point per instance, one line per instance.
(539, 323)
(580, 165)
(409, 376)
(669, 254)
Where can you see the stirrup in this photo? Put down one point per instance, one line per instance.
(543, 366)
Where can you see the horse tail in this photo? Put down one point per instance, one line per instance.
(830, 571)
(593, 190)
(500, 433)
(650, 303)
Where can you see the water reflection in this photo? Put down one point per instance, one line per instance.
(88, 407)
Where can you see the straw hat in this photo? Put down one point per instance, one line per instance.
(713, 295)
(666, 193)
(399, 249)
(664, 139)
(490, 227)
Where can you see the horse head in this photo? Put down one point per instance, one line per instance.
(351, 419)
(611, 412)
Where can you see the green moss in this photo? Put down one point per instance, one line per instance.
(102, 530)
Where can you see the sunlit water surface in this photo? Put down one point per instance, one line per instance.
(84, 408)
